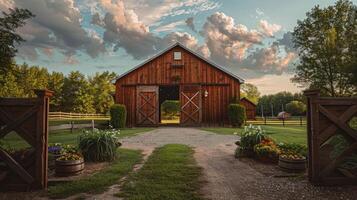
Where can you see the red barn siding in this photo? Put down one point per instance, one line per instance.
(221, 86)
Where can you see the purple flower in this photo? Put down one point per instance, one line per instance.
(54, 149)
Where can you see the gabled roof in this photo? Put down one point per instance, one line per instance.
(249, 101)
(189, 50)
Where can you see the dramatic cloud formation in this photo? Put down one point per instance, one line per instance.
(57, 25)
(189, 23)
(269, 29)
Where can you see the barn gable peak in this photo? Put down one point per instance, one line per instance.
(178, 44)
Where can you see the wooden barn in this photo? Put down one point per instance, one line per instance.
(250, 108)
(203, 89)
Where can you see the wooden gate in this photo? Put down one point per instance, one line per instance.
(191, 103)
(147, 109)
(25, 169)
(332, 139)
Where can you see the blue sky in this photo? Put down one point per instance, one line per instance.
(249, 38)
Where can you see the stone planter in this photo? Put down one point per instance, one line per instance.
(69, 167)
(289, 165)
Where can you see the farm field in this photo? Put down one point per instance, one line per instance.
(288, 133)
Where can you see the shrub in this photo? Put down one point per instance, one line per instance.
(250, 137)
(292, 148)
(236, 115)
(99, 145)
(118, 115)
(296, 108)
(170, 108)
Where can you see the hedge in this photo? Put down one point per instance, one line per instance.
(118, 115)
(236, 115)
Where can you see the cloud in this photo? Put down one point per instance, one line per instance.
(5, 5)
(57, 25)
(287, 42)
(259, 12)
(169, 27)
(190, 24)
(269, 29)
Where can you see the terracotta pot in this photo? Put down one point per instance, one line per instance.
(296, 165)
(69, 167)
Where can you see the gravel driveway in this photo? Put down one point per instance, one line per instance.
(228, 178)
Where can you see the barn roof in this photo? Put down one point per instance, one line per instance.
(247, 100)
(189, 50)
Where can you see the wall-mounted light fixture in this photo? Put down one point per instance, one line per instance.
(206, 93)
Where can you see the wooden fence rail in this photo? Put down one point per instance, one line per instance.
(70, 115)
(298, 121)
(332, 140)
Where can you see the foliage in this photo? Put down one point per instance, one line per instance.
(78, 94)
(9, 22)
(99, 145)
(118, 115)
(292, 148)
(250, 137)
(102, 91)
(326, 42)
(101, 180)
(169, 173)
(236, 115)
(70, 156)
(274, 103)
(55, 84)
(296, 108)
(251, 92)
(55, 148)
(267, 150)
(170, 108)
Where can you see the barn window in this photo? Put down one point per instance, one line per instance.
(177, 55)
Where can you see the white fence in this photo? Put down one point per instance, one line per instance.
(74, 116)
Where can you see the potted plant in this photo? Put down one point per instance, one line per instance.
(54, 152)
(70, 163)
(292, 162)
(267, 151)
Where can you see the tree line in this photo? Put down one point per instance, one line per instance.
(74, 92)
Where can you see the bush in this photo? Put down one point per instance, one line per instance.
(296, 108)
(118, 115)
(236, 115)
(170, 108)
(99, 145)
(250, 137)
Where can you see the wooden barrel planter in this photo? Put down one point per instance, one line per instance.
(69, 167)
(289, 165)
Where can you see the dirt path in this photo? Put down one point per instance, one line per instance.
(228, 178)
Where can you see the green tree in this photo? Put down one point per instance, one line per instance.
(9, 86)
(326, 41)
(55, 84)
(30, 78)
(77, 94)
(251, 92)
(103, 89)
(9, 22)
(170, 108)
(296, 108)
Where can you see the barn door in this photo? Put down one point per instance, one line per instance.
(147, 109)
(190, 101)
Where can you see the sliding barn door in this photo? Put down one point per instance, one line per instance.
(147, 109)
(190, 101)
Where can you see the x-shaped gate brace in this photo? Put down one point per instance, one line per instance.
(190, 100)
(338, 122)
(15, 125)
(146, 116)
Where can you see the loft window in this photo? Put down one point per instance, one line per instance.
(177, 55)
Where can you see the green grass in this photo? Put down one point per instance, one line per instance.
(63, 136)
(100, 181)
(170, 173)
(287, 134)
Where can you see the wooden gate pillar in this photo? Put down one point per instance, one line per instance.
(312, 115)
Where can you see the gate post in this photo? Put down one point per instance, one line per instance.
(42, 137)
(312, 117)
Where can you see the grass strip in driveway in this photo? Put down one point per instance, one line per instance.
(170, 172)
(101, 180)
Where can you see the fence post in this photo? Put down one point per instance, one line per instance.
(72, 126)
(300, 120)
(92, 124)
(283, 121)
(265, 120)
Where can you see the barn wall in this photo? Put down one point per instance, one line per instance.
(249, 108)
(220, 86)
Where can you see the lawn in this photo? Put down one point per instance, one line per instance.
(101, 180)
(170, 173)
(290, 134)
(63, 136)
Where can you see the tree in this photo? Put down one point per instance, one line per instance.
(103, 89)
(296, 108)
(251, 92)
(325, 42)
(30, 78)
(55, 84)
(8, 37)
(77, 94)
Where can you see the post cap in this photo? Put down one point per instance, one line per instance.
(43, 93)
(312, 92)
